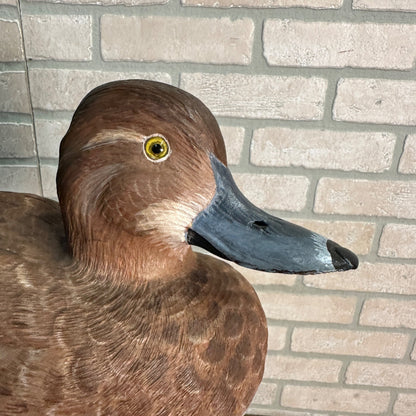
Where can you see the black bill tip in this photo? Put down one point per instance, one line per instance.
(342, 258)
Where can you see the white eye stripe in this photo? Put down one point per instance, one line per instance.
(108, 137)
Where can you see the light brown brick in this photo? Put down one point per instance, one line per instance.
(11, 46)
(316, 4)
(256, 277)
(20, 179)
(285, 367)
(177, 39)
(369, 277)
(277, 337)
(16, 140)
(396, 5)
(265, 394)
(350, 342)
(63, 89)
(268, 411)
(14, 96)
(358, 236)
(366, 197)
(48, 173)
(58, 37)
(106, 2)
(308, 308)
(335, 399)
(408, 159)
(382, 374)
(405, 405)
(398, 240)
(234, 141)
(413, 353)
(390, 313)
(49, 134)
(339, 44)
(274, 192)
(381, 101)
(322, 149)
(259, 96)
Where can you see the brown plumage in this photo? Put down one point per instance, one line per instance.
(118, 316)
(104, 307)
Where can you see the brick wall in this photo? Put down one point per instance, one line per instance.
(317, 103)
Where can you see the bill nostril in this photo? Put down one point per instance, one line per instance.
(260, 224)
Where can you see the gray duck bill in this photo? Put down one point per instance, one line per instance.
(232, 228)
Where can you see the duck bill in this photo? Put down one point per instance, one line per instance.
(233, 228)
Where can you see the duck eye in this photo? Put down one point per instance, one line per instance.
(156, 148)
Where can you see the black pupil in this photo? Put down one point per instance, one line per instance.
(157, 148)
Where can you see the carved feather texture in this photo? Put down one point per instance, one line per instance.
(71, 345)
(110, 315)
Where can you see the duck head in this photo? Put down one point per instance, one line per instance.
(142, 176)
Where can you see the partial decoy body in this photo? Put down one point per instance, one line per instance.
(104, 307)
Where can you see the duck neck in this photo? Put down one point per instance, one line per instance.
(128, 259)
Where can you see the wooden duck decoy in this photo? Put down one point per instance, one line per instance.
(110, 312)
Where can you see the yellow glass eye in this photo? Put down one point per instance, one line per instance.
(156, 148)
